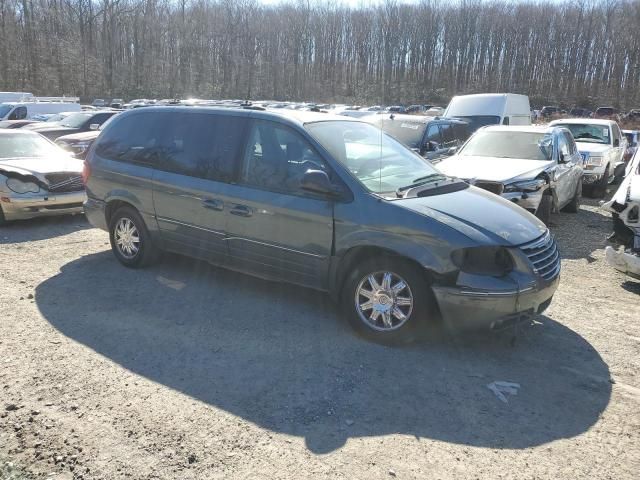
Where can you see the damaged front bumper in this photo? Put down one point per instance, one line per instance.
(530, 201)
(465, 308)
(25, 206)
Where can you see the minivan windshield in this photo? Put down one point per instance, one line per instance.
(380, 163)
(503, 144)
(478, 121)
(584, 132)
(75, 120)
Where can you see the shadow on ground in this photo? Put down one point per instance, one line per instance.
(279, 356)
(21, 231)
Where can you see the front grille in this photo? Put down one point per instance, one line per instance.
(64, 182)
(544, 255)
(493, 187)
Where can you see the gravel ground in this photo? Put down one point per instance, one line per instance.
(185, 371)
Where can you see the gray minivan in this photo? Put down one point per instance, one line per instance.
(323, 201)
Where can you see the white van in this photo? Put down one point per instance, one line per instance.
(26, 110)
(15, 96)
(490, 109)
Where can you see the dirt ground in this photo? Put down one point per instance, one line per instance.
(185, 371)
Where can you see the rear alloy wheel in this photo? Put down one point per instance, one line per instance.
(130, 239)
(386, 299)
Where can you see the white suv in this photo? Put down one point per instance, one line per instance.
(602, 146)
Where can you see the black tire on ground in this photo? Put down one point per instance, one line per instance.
(600, 188)
(128, 218)
(422, 310)
(544, 209)
(574, 205)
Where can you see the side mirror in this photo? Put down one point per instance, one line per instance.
(94, 126)
(452, 151)
(317, 181)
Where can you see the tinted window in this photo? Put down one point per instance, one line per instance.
(134, 138)
(450, 135)
(276, 158)
(100, 118)
(433, 134)
(18, 114)
(202, 145)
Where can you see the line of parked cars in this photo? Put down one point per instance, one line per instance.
(401, 218)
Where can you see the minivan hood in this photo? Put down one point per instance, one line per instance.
(494, 169)
(592, 147)
(479, 215)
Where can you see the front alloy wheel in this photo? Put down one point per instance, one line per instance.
(130, 240)
(127, 238)
(384, 300)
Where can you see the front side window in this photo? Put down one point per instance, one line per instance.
(563, 146)
(433, 135)
(276, 158)
(510, 144)
(379, 162)
(18, 114)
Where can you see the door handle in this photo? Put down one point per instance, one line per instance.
(241, 211)
(213, 204)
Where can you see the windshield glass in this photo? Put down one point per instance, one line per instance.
(380, 163)
(4, 109)
(75, 120)
(584, 132)
(26, 145)
(409, 133)
(477, 121)
(504, 144)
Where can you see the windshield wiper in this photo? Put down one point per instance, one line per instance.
(433, 177)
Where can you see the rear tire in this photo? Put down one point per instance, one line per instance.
(387, 299)
(574, 205)
(130, 240)
(544, 209)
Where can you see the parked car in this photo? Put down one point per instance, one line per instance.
(37, 178)
(606, 112)
(433, 138)
(538, 168)
(633, 114)
(117, 103)
(625, 207)
(602, 147)
(28, 110)
(99, 102)
(76, 123)
(322, 201)
(15, 123)
(548, 111)
(581, 112)
(490, 109)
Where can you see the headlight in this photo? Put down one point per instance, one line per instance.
(80, 147)
(526, 186)
(19, 186)
(594, 161)
(62, 144)
(493, 261)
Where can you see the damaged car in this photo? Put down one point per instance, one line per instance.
(537, 168)
(321, 201)
(37, 178)
(625, 207)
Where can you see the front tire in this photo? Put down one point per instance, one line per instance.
(544, 209)
(574, 205)
(385, 300)
(130, 240)
(600, 188)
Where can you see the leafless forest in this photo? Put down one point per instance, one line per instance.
(583, 52)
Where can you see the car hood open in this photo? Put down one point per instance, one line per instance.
(494, 169)
(480, 215)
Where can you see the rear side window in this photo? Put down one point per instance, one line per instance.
(100, 118)
(133, 139)
(202, 145)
